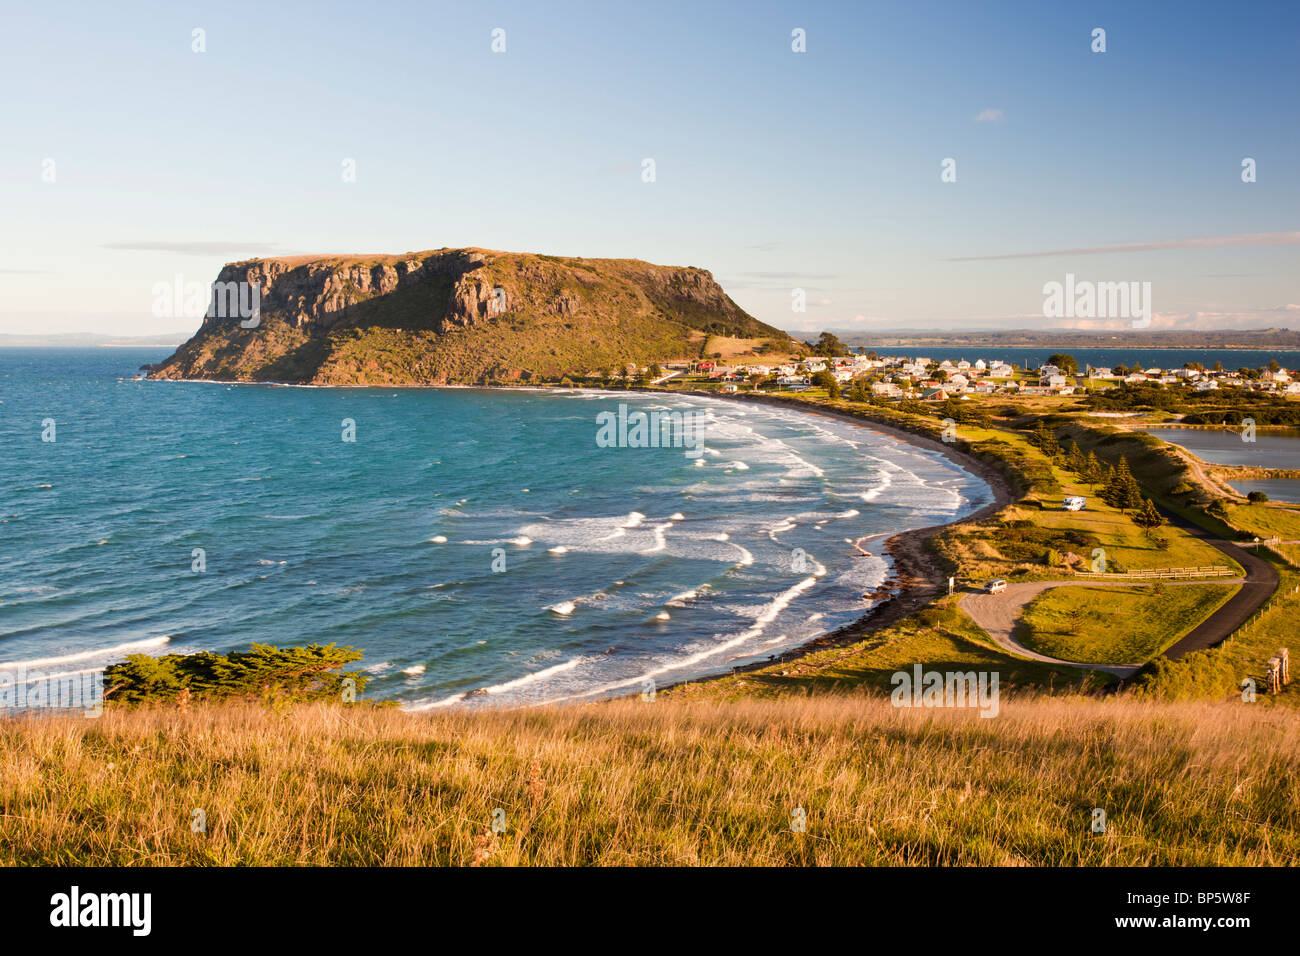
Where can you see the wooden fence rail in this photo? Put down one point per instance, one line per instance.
(1215, 571)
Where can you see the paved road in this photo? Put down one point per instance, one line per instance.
(1261, 581)
(998, 613)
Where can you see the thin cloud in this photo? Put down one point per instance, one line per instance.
(989, 116)
(794, 276)
(213, 248)
(1205, 242)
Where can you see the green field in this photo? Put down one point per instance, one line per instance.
(1270, 521)
(1112, 625)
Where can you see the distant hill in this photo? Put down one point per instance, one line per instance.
(89, 340)
(1129, 339)
(459, 316)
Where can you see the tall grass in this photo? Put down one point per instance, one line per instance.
(664, 782)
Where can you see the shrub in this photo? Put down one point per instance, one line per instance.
(293, 673)
(1257, 497)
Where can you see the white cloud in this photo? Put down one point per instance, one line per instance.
(989, 116)
(1203, 242)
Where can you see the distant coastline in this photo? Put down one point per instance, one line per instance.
(1275, 340)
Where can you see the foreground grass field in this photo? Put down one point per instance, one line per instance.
(1107, 625)
(662, 782)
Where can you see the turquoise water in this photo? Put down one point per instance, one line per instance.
(618, 563)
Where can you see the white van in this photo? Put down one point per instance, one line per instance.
(995, 587)
(1074, 503)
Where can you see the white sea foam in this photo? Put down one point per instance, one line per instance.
(502, 688)
(128, 648)
(761, 621)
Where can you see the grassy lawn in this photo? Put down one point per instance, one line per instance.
(981, 551)
(1116, 625)
(1268, 521)
(1219, 671)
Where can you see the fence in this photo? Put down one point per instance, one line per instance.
(1210, 571)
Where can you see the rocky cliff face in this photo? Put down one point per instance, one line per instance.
(451, 315)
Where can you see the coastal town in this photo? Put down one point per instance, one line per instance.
(920, 377)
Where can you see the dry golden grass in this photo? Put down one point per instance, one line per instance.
(668, 782)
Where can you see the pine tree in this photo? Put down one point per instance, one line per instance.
(1092, 471)
(1123, 488)
(1148, 518)
(1045, 438)
(1106, 479)
(1075, 461)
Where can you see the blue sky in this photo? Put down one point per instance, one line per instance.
(774, 169)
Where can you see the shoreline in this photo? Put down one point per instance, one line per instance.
(916, 576)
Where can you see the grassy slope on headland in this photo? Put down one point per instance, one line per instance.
(662, 782)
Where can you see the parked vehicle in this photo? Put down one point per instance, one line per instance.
(996, 587)
(1074, 503)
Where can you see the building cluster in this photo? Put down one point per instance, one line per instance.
(920, 377)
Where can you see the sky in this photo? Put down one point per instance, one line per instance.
(130, 158)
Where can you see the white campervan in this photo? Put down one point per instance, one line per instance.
(1074, 503)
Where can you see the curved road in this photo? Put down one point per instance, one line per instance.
(998, 613)
(1260, 583)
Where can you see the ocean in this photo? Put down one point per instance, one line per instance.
(1232, 359)
(466, 540)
